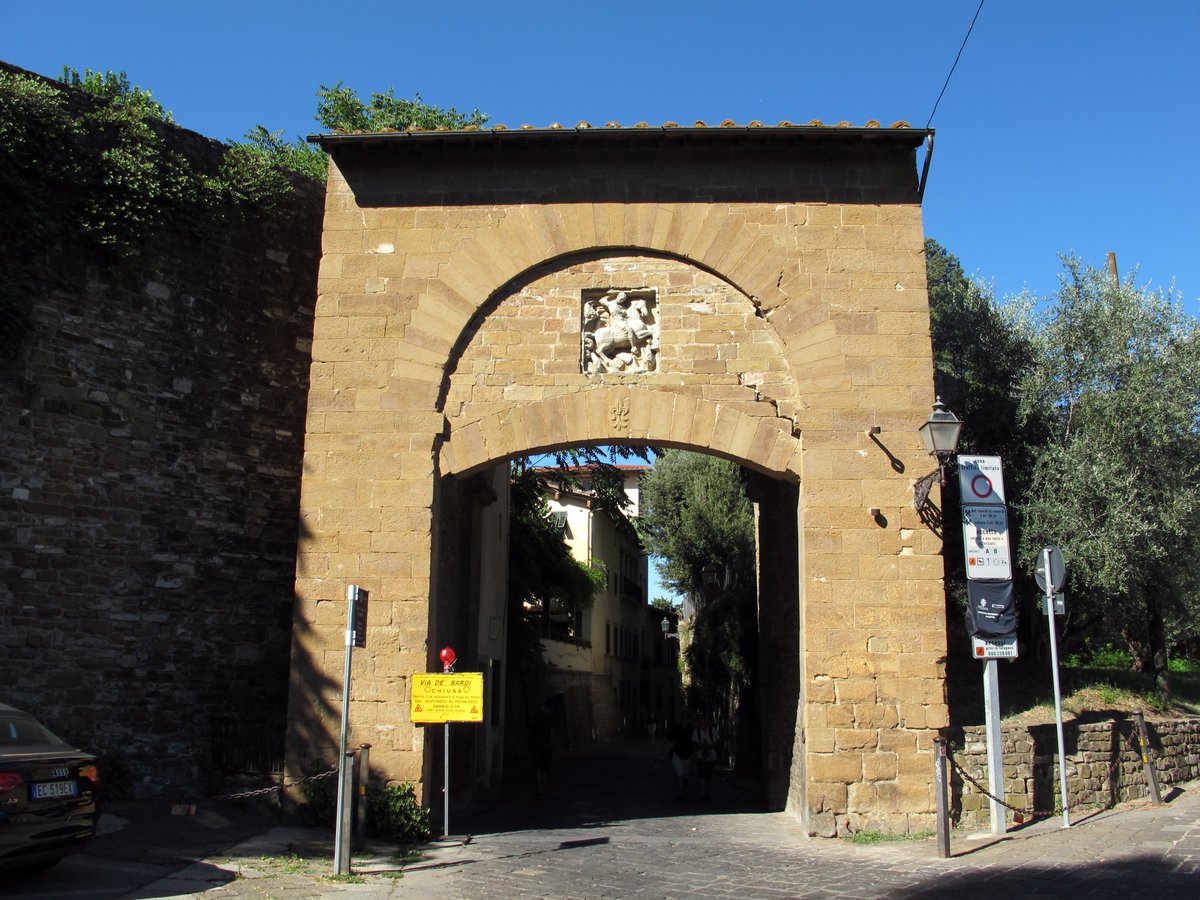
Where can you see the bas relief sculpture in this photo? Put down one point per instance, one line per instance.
(620, 332)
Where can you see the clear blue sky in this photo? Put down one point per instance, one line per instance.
(1069, 125)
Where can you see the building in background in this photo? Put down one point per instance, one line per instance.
(612, 662)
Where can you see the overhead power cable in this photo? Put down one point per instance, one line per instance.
(953, 67)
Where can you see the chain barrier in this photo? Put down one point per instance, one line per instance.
(279, 788)
(1020, 816)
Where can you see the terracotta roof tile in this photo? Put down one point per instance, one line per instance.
(583, 126)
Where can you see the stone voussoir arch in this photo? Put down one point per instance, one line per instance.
(721, 241)
(624, 415)
(717, 237)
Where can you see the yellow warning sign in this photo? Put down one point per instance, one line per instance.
(456, 697)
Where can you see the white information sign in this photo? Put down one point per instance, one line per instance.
(994, 648)
(981, 480)
(985, 541)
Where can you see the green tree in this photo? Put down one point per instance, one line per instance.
(339, 108)
(1116, 385)
(694, 515)
(981, 350)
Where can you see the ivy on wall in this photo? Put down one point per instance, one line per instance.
(88, 164)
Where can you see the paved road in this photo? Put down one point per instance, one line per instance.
(610, 826)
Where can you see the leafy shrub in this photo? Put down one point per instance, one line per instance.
(298, 156)
(116, 89)
(1105, 656)
(394, 813)
(340, 109)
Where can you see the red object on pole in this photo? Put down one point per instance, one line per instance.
(447, 656)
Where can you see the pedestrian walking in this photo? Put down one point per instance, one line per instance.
(704, 742)
(680, 752)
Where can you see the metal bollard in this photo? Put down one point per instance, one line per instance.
(362, 763)
(941, 785)
(1147, 762)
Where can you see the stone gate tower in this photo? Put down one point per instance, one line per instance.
(753, 292)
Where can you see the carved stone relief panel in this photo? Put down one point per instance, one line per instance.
(619, 332)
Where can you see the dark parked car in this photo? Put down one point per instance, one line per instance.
(47, 793)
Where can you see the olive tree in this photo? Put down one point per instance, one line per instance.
(1115, 385)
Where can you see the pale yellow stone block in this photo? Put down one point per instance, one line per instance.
(857, 739)
(844, 767)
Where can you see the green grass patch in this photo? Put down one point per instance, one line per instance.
(867, 837)
(290, 864)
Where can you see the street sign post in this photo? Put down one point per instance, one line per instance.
(446, 697)
(988, 559)
(1051, 573)
(356, 636)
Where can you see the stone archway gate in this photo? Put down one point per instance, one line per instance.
(780, 272)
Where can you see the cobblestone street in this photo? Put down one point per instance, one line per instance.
(611, 827)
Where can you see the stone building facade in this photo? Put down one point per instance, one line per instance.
(783, 271)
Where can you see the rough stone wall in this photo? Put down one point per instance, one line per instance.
(150, 430)
(1104, 765)
(794, 303)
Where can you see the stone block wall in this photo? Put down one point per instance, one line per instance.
(1104, 765)
(151, 430)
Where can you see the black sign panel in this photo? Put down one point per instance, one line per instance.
(991, 609)
(360, 617)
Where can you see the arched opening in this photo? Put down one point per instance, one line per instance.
(608, 677)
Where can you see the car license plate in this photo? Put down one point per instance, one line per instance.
(47, 790)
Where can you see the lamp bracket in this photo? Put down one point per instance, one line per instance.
(923, 486)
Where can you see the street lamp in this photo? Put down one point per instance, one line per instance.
(939, 434)
(666, 630)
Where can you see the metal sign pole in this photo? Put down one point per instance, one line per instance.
(940, 785)
(446, 782)
(447, 656)
(1058, 717)
(995, 757)
(342, 838)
